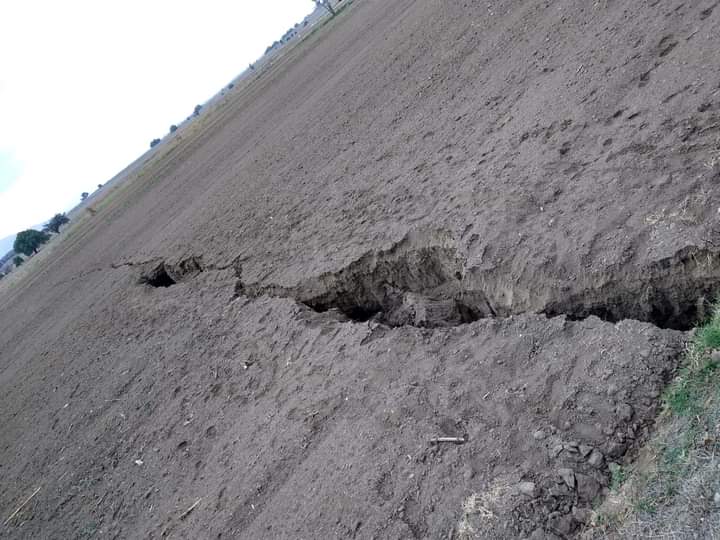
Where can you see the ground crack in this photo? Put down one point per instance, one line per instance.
(423, 281)
(164, 274)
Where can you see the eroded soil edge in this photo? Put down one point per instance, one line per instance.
(429, 285)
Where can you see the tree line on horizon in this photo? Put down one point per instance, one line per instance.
(28, 242)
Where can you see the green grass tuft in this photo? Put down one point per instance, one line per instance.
(618, 475)
(696, 379)
(709, 336)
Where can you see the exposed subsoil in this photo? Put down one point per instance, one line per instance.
(484, 221)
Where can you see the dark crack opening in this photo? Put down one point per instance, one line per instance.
(165, 275)
(674, 293)
(158, 277)
(430, 287)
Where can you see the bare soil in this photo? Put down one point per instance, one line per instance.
(490, 221)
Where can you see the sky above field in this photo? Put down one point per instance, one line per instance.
(86, 85)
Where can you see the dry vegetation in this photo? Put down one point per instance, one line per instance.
(673, 490)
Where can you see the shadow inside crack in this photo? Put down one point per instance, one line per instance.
(165, 275)
(417, 283)
(418, 287)
(676, 293)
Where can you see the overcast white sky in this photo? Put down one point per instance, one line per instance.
(85, 85)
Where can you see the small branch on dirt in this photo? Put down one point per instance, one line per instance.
(186, 513)
(15, 513)
(452, 440)
(101, 500)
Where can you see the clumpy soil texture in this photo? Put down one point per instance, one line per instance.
(484, 222)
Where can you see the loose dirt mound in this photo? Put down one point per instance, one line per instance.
(484, 222)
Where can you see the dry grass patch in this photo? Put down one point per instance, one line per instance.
(673, 490)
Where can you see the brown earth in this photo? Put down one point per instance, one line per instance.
(483, 220)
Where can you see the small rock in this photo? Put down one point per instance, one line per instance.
(138, 462)
(616, 449)
(596, 459)
(555, 450)
(582, 515)
(715, 355)
(585, 450)
(612, 389)
(624, 411)
(716, 498)
(588, 488)
(571, 448)
(568, 477)
(564, 525)
(527, 488)
(645, 353)
(539, 435)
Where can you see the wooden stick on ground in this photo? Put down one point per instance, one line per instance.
(454, 440)
(15, 513)
(186, 513)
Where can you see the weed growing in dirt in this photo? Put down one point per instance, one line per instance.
(698, 376)
(618, 475)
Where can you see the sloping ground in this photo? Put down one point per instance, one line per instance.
(484, 221)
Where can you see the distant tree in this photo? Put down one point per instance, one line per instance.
(84, 195)
(100, 186)
(17, 260)
(154, 143)
(173, 128)
(57, 221)
(197, 110)
(27, 242)
(326, 4)
(230, 86)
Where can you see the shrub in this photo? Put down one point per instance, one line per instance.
(17, 260)
(84, 195)
(27, 242)
(173, 128)
(154, 143)
(57, 221)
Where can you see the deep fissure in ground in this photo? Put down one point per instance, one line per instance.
(164, 274)
(430, 287)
